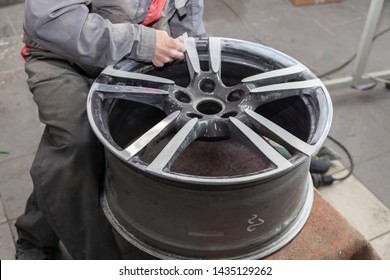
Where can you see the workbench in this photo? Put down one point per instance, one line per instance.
(326, 236)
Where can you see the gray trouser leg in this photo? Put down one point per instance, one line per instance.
(67, 171)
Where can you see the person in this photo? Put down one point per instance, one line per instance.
(68, 43)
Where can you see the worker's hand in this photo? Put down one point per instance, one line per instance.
(167, 50)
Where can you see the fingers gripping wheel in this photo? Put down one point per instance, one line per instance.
(208, 158)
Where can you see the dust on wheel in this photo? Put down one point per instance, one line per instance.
(208, 158)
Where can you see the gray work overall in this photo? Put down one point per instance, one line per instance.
(68, 169)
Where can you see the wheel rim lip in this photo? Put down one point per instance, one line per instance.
(226, 180)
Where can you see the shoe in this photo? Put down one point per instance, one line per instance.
(26, 250)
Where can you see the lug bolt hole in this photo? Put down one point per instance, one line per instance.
(182, 96)
(207, 85)
(235, 95)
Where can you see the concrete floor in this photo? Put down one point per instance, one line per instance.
(320, 36)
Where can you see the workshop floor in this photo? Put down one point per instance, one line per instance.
(320, 36)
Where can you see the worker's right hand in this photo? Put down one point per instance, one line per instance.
(167, 49)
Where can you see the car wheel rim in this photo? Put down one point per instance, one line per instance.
(208, 158)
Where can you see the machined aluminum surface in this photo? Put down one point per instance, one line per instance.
(209, 158)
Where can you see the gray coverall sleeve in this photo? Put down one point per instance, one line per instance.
(192, 22)
(67, 28)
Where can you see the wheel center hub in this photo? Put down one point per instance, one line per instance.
(209, 100)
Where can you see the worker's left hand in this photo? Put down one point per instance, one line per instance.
(167, 49)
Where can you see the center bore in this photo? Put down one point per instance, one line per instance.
(209, 107)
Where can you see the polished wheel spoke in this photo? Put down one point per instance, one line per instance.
(192, 57)
(153, 135)
(186, 135)
(253, 139)
(150, 96)
(280, 132)
(110, 71)
(215, 54)
(269, 93)
(279, 73)
(314, 83)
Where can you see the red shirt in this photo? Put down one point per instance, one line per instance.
(155, 11)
